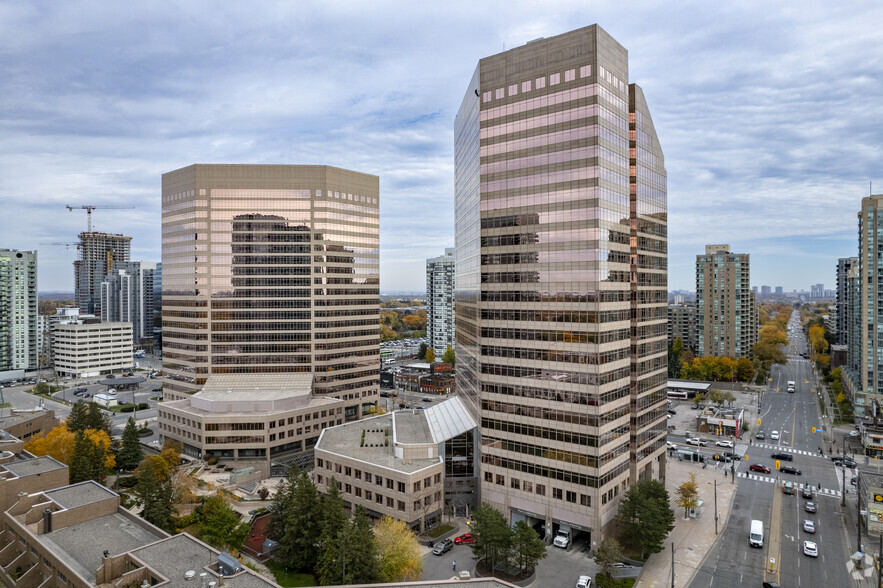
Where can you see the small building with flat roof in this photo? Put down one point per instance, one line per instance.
(252, 420)
(395, 464)
(25, 424)
(684, 389)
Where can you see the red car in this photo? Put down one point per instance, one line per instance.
(756, 467)
(464, 538)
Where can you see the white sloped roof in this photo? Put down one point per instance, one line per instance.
(448, 419)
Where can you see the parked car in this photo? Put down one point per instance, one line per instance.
(464, 538)
(757, 467)
(724, 444)
(809, 526)
(584, 582)
(810, 507)
(696, 441)
(786, 469)
(810, 548)
(443, 546)
(807, 493)
(112, 392)
(782, 456)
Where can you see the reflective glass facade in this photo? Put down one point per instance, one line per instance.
(561, 278)
(272, 269)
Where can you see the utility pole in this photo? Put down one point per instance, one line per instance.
(880, 563)
(843, 500)
(858, 521)
(672, 564)
(715, 507)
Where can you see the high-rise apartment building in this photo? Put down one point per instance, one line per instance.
(682, 323)
(863, 379)
(778, 291)
(561, 295)
(765, 291)
(99, 255)
(272, 269)
(725, 304)
(18, 310)
(440, 301)
(844, 264)
(127, 295)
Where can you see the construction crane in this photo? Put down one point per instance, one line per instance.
(89, 208)
(68, 245)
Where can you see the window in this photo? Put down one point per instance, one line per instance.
(319, 479)
(348, 471)
(541, 489)
(358, 492)
(369, 495)
(437, 478)
(416, 486)
(401, 486)
(358, 474)
(488, 477)
(319, 462)
(427, 482)
(528, 486)
(347, 488)
(570, 496)
(390, 484)
(379, 480)
(515, 483)
(585, 500)
(557, 493)
(501, 479)
(555, 78)
(368, 477)
(400, 505)
(390, 502)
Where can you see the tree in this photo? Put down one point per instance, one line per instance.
(716, 396)
(131, 453)
(609, 552)
(430, 355)
(699, 399)
(58, 444)
(220, 525)
(449, 356)
(675, 355)
(728, 397)
(42, 388)
(492, 534)
(331, 539)
(688, 494)
(354, 561)
(399, 551)
(297, 522)
(645, 516)
(77, 420)
(155, 493)
(744, 370)
(527, 547)
(421, 352)
(82, 466)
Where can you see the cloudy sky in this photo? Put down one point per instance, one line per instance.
(769, 113)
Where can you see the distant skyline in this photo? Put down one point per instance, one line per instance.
(767, 114)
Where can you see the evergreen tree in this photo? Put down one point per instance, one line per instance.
(130, 454)
(78, 419)
(493, 536)
(155, 493)
(302, 525)
(281, 507)
(98, 419)
(645, 516)
(360, 547)
(334, 521)
(81, 468)
(527, 547)
(221, 525)
(421, 352)
(608, 553)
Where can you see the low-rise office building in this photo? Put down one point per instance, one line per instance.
(88, 348)
(409, 465)
(25, 424)
(252, 419)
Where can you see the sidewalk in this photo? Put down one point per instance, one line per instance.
(693, 538)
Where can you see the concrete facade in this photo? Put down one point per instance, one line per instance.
(98, 255)
(727, 323)
(683, 323)
(26, 424)
(252, 420)
(19, 332)
(440, 285)
(561, 248)
(88, 348)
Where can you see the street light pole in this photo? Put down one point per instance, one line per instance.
(715, 507)
(672, 564)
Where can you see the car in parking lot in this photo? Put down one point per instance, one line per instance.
(809, 526)
(774, 435)
(696, 441)
(810, 548)
(759, 467)
(855, 434)
(443, 546)
(782, 456)
(724, 444)
(810, 507)
(807, 493)
(786, 469)
(464, 538)
(584, 582)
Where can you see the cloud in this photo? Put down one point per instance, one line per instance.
(768, 114)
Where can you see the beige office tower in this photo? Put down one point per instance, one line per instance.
(726, 311)
(272, 269)
(561, 280)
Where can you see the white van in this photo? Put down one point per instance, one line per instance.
(791, 385)
(755, 537)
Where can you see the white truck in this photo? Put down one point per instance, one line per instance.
(562, 539)
(791, 385)
(755, 535)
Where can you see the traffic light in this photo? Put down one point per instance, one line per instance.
(758, 422)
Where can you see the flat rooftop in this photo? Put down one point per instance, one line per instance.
(254, 393)
(181, 553)
(79, 494)
(346, 440)
(31, 467)
(411, 427)
(15, 419)
(82, 545)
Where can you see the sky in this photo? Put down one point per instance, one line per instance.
(769, 114)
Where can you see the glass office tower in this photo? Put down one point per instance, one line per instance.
(561, 279)
(272, 269)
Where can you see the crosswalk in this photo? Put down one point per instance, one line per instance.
(788, 450)
(799, 486)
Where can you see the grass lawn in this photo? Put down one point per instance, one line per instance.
(286, 578)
